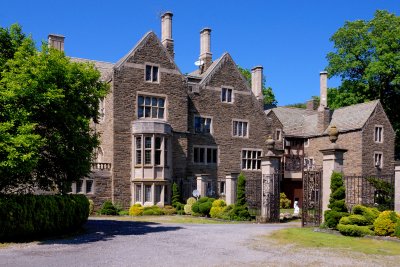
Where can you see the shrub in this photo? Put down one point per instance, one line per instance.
(284, 202)
(217, 209)
(386, 222)
(337, 204)
(123, 212)
(238, 213)
(203, 206)
(385, 197)
(91, 207)
(31, 216)
(354, 219)
(370, 214)
(136, 210)
(108, 209)
(168, 210)
(354, 230)
(190, 201)
(153, 210)
(175, 200)
(241, 190)
(397, 229)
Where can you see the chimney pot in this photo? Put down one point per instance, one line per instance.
(166, 32)
(256, 81)
(56, 41)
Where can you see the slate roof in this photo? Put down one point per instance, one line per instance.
(304, 123)
(105, 68)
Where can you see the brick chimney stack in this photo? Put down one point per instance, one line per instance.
(205, 49)
(56, 41)
(324, 114)
(166, 32)
(256, 81)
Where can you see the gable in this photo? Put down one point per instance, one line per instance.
(224, 72)
(149, 49)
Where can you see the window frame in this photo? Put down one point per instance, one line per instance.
(144, 106)
(152, 150)
(378, 138)
(203, 126)
(214, 155)
(378, 155)
(152, 66)
(242, 122)
(224, 94)
(279, 130)
(251, 159)
(83, 191)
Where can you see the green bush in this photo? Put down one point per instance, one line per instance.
(91, 207)
(176, 197)
(337, 204)
(32, 216)
(168, 210)
(108, 209)
(238, 213)
(370, 214)
(136, 210)
(397, 229)
(386, 222)
(354, 219)
(188, 207)
(190, 201)
(123, 212)
(153, 210)
(241, 190)
(202, 207)
(354, 230)
(284, 202)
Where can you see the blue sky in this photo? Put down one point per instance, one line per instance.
(289, 38)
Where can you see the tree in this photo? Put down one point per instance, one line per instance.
(10, 40)
(241, 190)
(47, 105)
(269, 96)
(337, 201)
(367, 59)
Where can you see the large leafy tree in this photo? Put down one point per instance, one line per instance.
(47, 103)
(269, 96)
(366, 57)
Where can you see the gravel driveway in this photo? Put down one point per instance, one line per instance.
(127, 243)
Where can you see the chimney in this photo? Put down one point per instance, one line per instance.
(56, 41)
(205, 49)
(256, 81)
(324, 114)
(166, 32)
(323, 85)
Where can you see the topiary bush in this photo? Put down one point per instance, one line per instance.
(397, 229)
(241, 190)
(337, 204)
(354, 230)
(35, 216)
(386, 222)
(370, 214)
(108, 209)
(202, 207)
(238, 213)
(218, 209)
(136, 210)
(354, 219)
(189, 203)
(168, 210)
(284, 202)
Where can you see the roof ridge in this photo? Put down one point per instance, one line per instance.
(368, 102)
(100, 61)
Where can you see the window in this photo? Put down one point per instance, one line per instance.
(147, 150)
(251, 159)
(147, 193)
(240, 129)
(151, 73)
(79, 186)
(378, 136)
(309, 163)
(99, 155)
(222, 188)
(138, 193)
(151, 107)
(378, 160)
(157, 195)
(89, 186)
(83, 186)
(306, 142)
(157, 156)
(205, 155)
(278, 135)
(165, 151)
(226, 95)
(202, 125)
(139, 150)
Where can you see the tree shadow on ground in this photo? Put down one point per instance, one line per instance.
(103, 230)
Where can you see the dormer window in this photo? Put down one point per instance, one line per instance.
(151, 73)
(227, 95)
(378, 134)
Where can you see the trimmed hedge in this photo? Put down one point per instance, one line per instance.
(354, 230)
(31, 216)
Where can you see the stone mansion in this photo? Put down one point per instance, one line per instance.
(200, 130)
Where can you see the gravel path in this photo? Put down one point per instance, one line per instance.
(126, 243)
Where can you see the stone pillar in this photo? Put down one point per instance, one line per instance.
(270, 185)
(256, 81)
(397, 187)
(332, 161)
(230, 188)
(202, 184)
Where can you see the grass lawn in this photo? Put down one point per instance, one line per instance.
(166, 219)
(306, 237)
